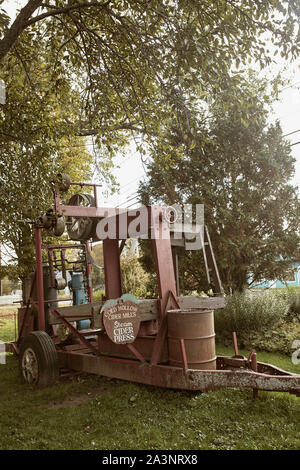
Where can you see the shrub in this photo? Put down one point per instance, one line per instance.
(97, 295)
(250, 312)
(292, 296)
(278, 339)
(134, 278)
(265, 320)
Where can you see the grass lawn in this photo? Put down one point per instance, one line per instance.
(91, 412)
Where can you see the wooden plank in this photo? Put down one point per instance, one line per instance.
(147, 307)
(212, 264)
(196, 301)
(74, 312)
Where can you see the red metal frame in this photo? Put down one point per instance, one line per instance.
(39, 279)
(149, 366)
(89, 275)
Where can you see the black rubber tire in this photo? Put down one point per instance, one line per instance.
(41, 345)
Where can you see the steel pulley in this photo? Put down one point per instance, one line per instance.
(55, 225)
(81, 228)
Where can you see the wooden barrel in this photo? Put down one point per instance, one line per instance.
(196, 327)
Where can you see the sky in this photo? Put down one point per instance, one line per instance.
(129, 170)
(287, 110)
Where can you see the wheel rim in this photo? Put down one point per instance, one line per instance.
(30, 369)
(80, 228)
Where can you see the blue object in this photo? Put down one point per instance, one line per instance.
(293, 280)
(79, 297)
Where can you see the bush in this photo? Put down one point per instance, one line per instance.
(265, 320)
(292, 296)
(97, 295)
(248, 311)
(278, 339)
(134, 278)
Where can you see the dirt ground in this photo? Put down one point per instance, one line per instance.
(8, 310)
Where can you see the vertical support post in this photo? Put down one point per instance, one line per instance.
(27, 309)
(254, 367)
(39, 279)
(112, 269)
(170, 303)
(95, 195)
(161, 245)
(163, 258)
(89, 274)
(63, 264)
(235, 344)
(15, 321)
(51, 269)
(176, 268)
(183, 355)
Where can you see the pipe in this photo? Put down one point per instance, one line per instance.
(39, 278)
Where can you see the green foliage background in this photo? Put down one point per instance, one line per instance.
(240, 167)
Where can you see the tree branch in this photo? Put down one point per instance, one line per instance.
(23, 20)
(124, 126)
(67, 9)
(18, 26)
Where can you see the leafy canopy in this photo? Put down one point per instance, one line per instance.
(112, 70)
(35, 146)
(135, 62)
(240, 168)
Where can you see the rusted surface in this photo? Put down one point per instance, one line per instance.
(39, 279)
(25, 324)
(89, 273)
(163, 260)
(74, 330)
(12, 348)
(160, 340)
(143, 344)
(112, 269)
(240, 362)
(196, 327)
(175, 377)
(145, 359)
(136, 353)
(183, 355)
(213, 380)
(235, 343)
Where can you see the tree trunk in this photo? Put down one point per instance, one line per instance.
(18, 27)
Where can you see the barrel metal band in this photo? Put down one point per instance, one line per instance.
(194, 337)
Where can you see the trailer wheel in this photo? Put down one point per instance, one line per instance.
(38, 359)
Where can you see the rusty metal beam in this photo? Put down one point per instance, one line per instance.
(75, 331)
(112, 269)
(175, 377)
(27, 310)
(39, 279)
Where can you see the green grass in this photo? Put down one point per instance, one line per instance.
(7, 329)
(91, 412)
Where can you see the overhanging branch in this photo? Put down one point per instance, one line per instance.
(67, 9)
(24, 19)
(18, 26)
(119, 127)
